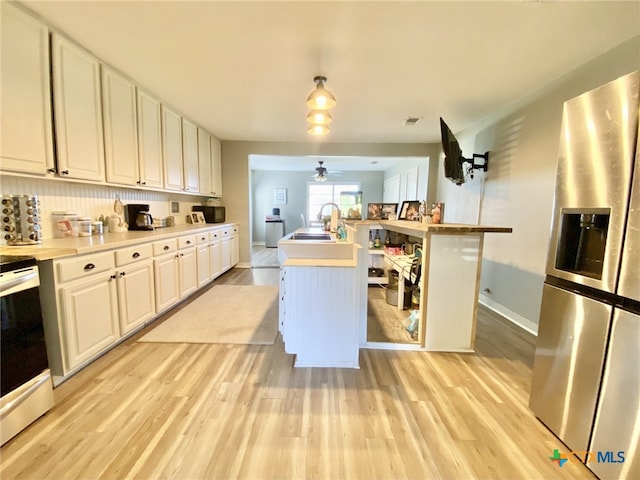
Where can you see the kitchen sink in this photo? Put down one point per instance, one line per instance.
(323, 237)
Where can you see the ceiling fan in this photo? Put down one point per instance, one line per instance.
(321, 173)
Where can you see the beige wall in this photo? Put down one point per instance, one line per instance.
(519, 187)
(235, 171)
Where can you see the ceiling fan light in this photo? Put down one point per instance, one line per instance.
(319, 117)
(320, 178)
(318, 129)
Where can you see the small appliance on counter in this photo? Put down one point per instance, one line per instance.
(138, 216)
(212, 214)
(21, 219)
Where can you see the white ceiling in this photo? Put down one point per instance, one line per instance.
(244, 69)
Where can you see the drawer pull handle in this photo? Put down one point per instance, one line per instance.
(188, 242)
(135, 255)
(89, 266)
(122, 274)
(112, 277)
(166, 247)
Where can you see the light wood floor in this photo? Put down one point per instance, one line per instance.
(182, 411)
(385, 322)
(263, 257)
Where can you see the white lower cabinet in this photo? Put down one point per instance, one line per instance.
(92, 301)
(90, 313)
(215, 254)
(165, 270)
(136, 293)
(187, 265)
(203, 258)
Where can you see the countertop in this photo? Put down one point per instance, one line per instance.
(419, 229)
(64, 247)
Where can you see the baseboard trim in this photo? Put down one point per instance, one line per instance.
(512, 316)
(259, 244)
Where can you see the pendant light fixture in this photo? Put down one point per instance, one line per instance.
(320, 101)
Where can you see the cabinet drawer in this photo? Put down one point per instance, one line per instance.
(128, 255)
(164, 246)
(85, 266)
(202, 238)
(188, 241)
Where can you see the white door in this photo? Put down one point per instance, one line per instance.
(216, 258)
(149, 140)
(188, 271)
(77, 111)
(204, 161)
(411, 188)
(120, 127)
(90, 315)
(190, 156)
(204, 263)
(165, 270)
(25, 93)
(391, 192)
(172, 148)
(216, 167)
(136, 298)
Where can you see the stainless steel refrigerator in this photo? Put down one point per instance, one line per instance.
(586, 375)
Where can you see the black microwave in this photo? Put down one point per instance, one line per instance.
(211, 214)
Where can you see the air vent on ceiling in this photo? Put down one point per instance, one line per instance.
(412, 120)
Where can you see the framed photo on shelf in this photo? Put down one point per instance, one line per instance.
(410, 210)
(374, 211)
(386, 209)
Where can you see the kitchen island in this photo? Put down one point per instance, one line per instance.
(319, 293)
(451, 259)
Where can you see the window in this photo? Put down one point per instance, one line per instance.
(320, 193)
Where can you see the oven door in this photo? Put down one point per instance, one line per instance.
(26, 386)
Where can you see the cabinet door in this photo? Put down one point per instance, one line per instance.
(172, 148)
(204, 161)
(165, 270)
(225, 253)
(90, 317)
(190, 156)
(235, 247)
(25, 123)
(78, 113)
(204, 264)
(136, 298)
(149, 140)
(216, 167)
(215, 258)
(120, 127)
(188, 271)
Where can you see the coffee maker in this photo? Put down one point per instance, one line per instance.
(138, 217)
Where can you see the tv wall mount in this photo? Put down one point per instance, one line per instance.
(477, 166)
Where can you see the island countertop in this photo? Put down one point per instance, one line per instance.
(421, 229)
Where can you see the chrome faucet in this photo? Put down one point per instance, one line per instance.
(322, 208)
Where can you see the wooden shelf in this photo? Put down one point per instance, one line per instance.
(376, 251)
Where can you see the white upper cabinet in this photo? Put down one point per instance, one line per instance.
(25, 133)
(172, 148)
(204, 161)
(77, 111)
(149, 140)
(120, 128)
(216, 167)
(190, 156)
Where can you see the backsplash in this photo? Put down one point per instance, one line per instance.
(92, 200)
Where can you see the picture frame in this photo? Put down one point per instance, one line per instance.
(410, 211)
(279, 196)
(174, 207)
(374, 211)
(386, 209)
(196, 217)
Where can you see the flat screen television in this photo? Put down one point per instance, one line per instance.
(453, 159)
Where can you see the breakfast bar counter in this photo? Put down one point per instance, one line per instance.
(451, 260)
